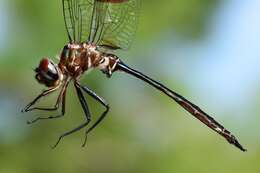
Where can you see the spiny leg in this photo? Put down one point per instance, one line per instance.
(44, 93)
(54, 108)
(102, 116)
(84, 105)
(70, 132)
(61, 99)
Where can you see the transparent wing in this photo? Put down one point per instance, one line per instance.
(77, 17)
(108, 23)
(114, 23)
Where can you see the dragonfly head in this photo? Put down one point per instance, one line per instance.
(47, 73)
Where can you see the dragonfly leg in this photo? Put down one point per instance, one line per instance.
(61, 99)
(102, 116)
(70, 132)
(44, 93)
(86, 112)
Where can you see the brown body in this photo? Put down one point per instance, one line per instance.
(108, 30)
(76, 59)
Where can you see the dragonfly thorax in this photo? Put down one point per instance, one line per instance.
(75, 59)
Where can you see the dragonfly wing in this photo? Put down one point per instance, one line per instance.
(77, 17)
(114, 23)
(108, 23)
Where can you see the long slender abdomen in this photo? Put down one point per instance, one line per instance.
(187, 105)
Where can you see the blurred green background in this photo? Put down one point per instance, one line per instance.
(207, 50)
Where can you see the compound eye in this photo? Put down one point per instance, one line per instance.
(49, 68)
(47, 72)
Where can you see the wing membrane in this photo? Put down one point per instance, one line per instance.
(115, 22)
(77, 18)
(108, 23)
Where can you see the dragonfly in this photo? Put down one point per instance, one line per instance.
(96, 30)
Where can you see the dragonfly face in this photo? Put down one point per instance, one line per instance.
(48, 73)
(96, 29)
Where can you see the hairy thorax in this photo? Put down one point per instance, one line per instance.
(75, 59)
